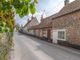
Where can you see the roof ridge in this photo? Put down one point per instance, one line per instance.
(73, 6)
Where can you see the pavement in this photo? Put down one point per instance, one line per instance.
(30, 48)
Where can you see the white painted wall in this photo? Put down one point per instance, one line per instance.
(55, 35)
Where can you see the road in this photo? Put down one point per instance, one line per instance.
(29, 48)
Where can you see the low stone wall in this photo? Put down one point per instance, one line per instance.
(5, 45)
(3, 38)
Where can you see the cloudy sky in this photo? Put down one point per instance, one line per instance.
(50, 6)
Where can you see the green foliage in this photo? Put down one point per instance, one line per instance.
(35, 1)
(4, 28)
(17, 27)
(7, 7)
(32, 8)
(22, 7)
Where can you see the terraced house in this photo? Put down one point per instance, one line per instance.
(66, 24)
(44, 29)
(63, 27)
(29, 24)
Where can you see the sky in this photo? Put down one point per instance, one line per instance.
(45, 7)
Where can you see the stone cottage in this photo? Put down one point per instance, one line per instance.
(44, 29)
(29, 24)
(66, 24)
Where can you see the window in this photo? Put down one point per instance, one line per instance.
(61, 35)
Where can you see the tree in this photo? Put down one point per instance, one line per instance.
(17, 27)
(9, 7)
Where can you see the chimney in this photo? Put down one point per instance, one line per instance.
(66, 2)
(42, 15)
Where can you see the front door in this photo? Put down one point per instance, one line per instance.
(55, 36)
(49, 34)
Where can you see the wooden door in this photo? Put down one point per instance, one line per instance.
(49, 34)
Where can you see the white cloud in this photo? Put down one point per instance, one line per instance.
(54, 7)
(39, 14)
(72, 0)
(21, 21)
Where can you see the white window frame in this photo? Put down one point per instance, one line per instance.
(64, 30)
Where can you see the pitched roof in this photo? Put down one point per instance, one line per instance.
(33, 18)
(69, 8)
(27, 23)
(66, 9)
(34, 27)
(46, 23)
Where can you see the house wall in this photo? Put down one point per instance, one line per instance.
(40, 32)
(25, 29)
(46, 33)
(32, 23)
(37, 32)
(51, 34)
(70, 22)
(31, 32)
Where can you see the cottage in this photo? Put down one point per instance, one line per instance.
(44, 29)
(30, 23)
(35, 29)
(66, 24)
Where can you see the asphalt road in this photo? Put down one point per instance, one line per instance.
(29, 48)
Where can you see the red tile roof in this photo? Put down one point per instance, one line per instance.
(27, 23)
(46, 23)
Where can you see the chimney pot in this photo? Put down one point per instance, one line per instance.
(42, 15)
(66, 2)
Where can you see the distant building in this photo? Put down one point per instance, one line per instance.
(63, 26)
(30, 23)
(44, 29)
